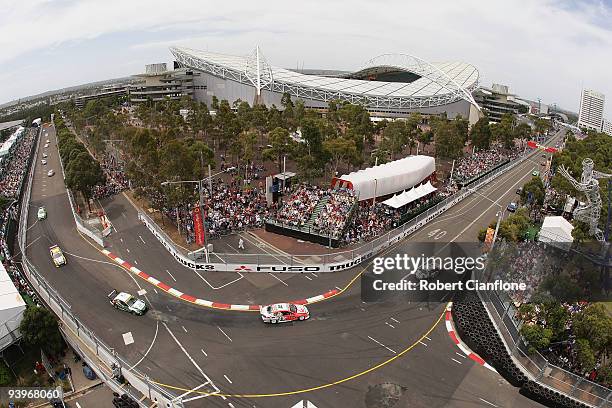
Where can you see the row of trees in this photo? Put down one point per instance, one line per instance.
(483, 134)
(82, 171)
(318, 145)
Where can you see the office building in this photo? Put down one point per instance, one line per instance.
(591, 110)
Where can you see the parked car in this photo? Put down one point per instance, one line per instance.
(42, 213)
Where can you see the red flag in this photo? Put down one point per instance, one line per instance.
(198, 227)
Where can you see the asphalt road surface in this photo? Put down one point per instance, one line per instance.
(349, 354)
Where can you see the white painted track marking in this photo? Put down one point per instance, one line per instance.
(278, 279)
(190, 358)
(150, 346)
(225, 334)
(382, 345)
(487, 402)
(171, 275)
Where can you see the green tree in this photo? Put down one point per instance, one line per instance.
(504, 130)
(522, 131)
(536, 336)
(83, 173)
(534, 188)
(481, 134)
(514, 227)
(584, 355)
(340, 149)
(281, 145)
(39, 329)
(595, 324)
(448, 138)
(395, 137)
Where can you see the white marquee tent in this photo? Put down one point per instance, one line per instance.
(12, 307)
(400, 200)
(388, 178)
(557, 231)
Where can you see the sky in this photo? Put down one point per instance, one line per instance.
(548, 49)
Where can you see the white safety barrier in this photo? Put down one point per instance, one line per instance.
(322, 263)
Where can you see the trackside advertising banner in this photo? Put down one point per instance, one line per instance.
(198, 227)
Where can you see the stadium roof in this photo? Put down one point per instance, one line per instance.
(438, 84)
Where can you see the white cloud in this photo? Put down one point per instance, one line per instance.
(541, 48)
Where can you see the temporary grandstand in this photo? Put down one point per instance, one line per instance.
(390, 85)
(388, 178)
(7, 146)
(12, 307)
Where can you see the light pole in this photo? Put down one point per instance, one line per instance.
(200, 184)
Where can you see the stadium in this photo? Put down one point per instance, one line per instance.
(390, 85)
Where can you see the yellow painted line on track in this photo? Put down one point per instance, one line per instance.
(318, 387)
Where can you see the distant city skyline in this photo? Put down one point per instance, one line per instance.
(541, 49)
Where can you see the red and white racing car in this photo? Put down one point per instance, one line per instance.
(283, 312)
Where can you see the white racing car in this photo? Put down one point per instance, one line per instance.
(128, 303)
(283, 312)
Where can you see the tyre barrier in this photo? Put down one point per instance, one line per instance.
(472, 324)
(548, 397)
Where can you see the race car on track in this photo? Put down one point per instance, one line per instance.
(45, 155)
(283, 312)
(50, 173)
(46, 145)
(128, 303)
(42, 213)
(44, 162)
(57, 255)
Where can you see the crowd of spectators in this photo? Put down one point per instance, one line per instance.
(333, 216)
(528, 264)
(230, 208)
(15, 165)
(116, 180)
(298, 208)
(370, 222)
(21, 284)
(477, 163)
